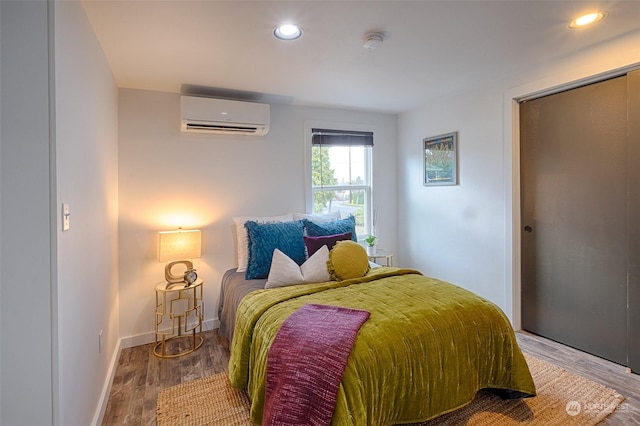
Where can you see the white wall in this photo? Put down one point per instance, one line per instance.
(58, 142)
(456, 233)
(469, 234)
(87, 179)
(169, 179)
(27, 245)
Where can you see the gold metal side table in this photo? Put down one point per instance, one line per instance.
(178, 323)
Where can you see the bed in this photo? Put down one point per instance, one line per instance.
(426, 349)
(233, 289)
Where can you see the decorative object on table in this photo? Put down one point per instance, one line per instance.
(190, 276)
(371, 240)
(176, 247)
(440, 160)
(371, 244)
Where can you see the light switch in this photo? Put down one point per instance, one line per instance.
(65, 216)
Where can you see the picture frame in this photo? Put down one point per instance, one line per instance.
(440, 160)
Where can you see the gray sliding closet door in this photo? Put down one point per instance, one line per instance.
(634, 215)
(574, 205)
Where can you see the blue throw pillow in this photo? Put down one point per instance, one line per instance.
(264, 238)
(331, 228)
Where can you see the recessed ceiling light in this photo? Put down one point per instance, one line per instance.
(287, 32)
(589, 18)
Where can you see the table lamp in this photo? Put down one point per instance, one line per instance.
(175, 247)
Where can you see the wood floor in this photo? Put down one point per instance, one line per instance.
(140, 376)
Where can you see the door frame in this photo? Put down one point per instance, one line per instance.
(511, 154)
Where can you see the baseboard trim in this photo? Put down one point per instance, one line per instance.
(106, 388)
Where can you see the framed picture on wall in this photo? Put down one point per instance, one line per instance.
(440, 160)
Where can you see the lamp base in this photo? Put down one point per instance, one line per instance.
(170, 277)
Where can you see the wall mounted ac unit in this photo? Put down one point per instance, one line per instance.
(222, 116)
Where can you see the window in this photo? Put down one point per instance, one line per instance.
(341, 175)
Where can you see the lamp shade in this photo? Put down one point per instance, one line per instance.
(177, 245)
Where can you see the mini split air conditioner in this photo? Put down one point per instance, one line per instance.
(222, 116)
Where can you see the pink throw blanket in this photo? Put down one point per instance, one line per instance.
(305, 364)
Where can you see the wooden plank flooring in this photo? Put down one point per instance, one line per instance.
(140, 376)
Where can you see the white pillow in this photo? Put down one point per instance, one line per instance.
(318, 218)
(284, 271)
(242, 239)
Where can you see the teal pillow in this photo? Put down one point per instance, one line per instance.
(264, 238)
(332, 228)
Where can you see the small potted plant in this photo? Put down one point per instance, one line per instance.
(371, 242)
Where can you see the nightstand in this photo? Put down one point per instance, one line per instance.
(178, 322)
(380, 254)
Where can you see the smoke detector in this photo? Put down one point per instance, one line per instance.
(372, 40)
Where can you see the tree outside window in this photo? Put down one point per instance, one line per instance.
(341, 182)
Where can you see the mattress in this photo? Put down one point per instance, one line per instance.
(233, 288)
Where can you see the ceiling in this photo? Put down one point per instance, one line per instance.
(432, 48)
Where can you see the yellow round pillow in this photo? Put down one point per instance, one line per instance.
(347, 259)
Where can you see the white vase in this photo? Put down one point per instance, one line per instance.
(371, 250)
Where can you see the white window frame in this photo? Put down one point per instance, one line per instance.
(369, 189)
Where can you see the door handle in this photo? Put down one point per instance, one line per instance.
(528, 229)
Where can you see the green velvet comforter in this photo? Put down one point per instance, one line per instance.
(426, 349)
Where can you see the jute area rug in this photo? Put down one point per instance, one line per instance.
(563, 399)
